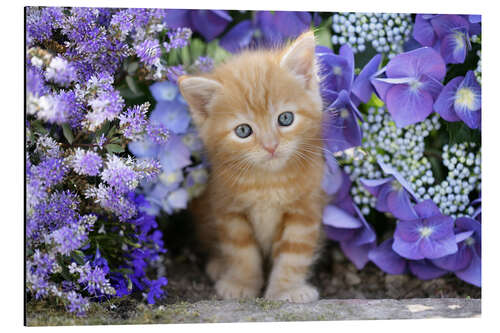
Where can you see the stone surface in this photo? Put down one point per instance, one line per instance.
(262, 310)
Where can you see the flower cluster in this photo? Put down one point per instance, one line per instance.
(179, 179)
(399, 163)
(88, 234)
(386, 33)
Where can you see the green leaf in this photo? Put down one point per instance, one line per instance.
(459, 132)
(78, 256)
(68, 134)
(102, 130)
(132, 85)
(323, 35)
(38, 127)
(197, 48)
(132, 67)
(185, 57)
(113, 148)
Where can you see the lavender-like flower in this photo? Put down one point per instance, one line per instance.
(86, 162)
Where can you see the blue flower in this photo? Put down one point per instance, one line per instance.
(429, 236)
(448, 34)
(387, 259)
(460, 99)
(393, 193)
(155, 289)
(209, 23)
(466, 262)
(412, 84)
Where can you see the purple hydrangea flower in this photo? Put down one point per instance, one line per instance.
(466, 262)
(355, 235)
(174, 154)
(393, 193)
(174, 115)
(386, 259)
(209, 23)
(425, 269)
(428, 236)
(460, 99)
(412, 84)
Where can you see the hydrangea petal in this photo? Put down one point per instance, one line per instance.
(423, 32)
(445, 24)
(407, 231)
(386, 259)
(362, 87)
(442, 227)
(400, 206)
(444, 103)
(453, 48)
(472, 274)
(339, 234)
(427, 208)
(335, 217)
(357, 254)
(238, 37)
(433, 249)
(291, 24)
(456, 261)
(425, 270)
(408, 106)
(424, 60)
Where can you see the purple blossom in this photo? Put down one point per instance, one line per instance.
(68, 239)
(174, 72)
(107, 105)
(174, 154)
(466, 262)
(35, 83)
(86, 162)
(120, 174)
(133, 121)
(61, 72)
(393, 193)
(40, 22)
(178, 39)
(204, 64)
(209, 23)
(460, 99)
(412, 84)
(425, 269)
(174, 115)
(77, 303)
(429, 236)
(155, 289)
(265, 28)
(355, 235)
(149, 52)
(164, 91)
(158, 133)
(386, 259)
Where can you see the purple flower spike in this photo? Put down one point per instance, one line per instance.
(460, 99)
(429, 236)
(412, 84)
(386, 259)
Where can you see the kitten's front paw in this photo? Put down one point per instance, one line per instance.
(215, 268)
(300, 294)
(232, 290)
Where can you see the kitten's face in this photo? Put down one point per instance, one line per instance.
(261, 113)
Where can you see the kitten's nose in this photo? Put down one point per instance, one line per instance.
(271, 148)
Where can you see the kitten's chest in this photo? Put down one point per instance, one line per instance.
(265, 219)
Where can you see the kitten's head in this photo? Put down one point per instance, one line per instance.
(260, 109)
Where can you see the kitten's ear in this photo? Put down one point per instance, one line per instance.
(299, 58)
(198, 92)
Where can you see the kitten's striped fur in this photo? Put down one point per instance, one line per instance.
(261, 207)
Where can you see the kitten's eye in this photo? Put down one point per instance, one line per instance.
(243, 131)
(285, 119)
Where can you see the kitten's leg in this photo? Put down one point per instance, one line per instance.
(242, 261)
(293, 254)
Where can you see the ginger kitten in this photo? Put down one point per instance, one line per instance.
(260, 116)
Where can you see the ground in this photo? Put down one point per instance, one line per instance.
(346, 293)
